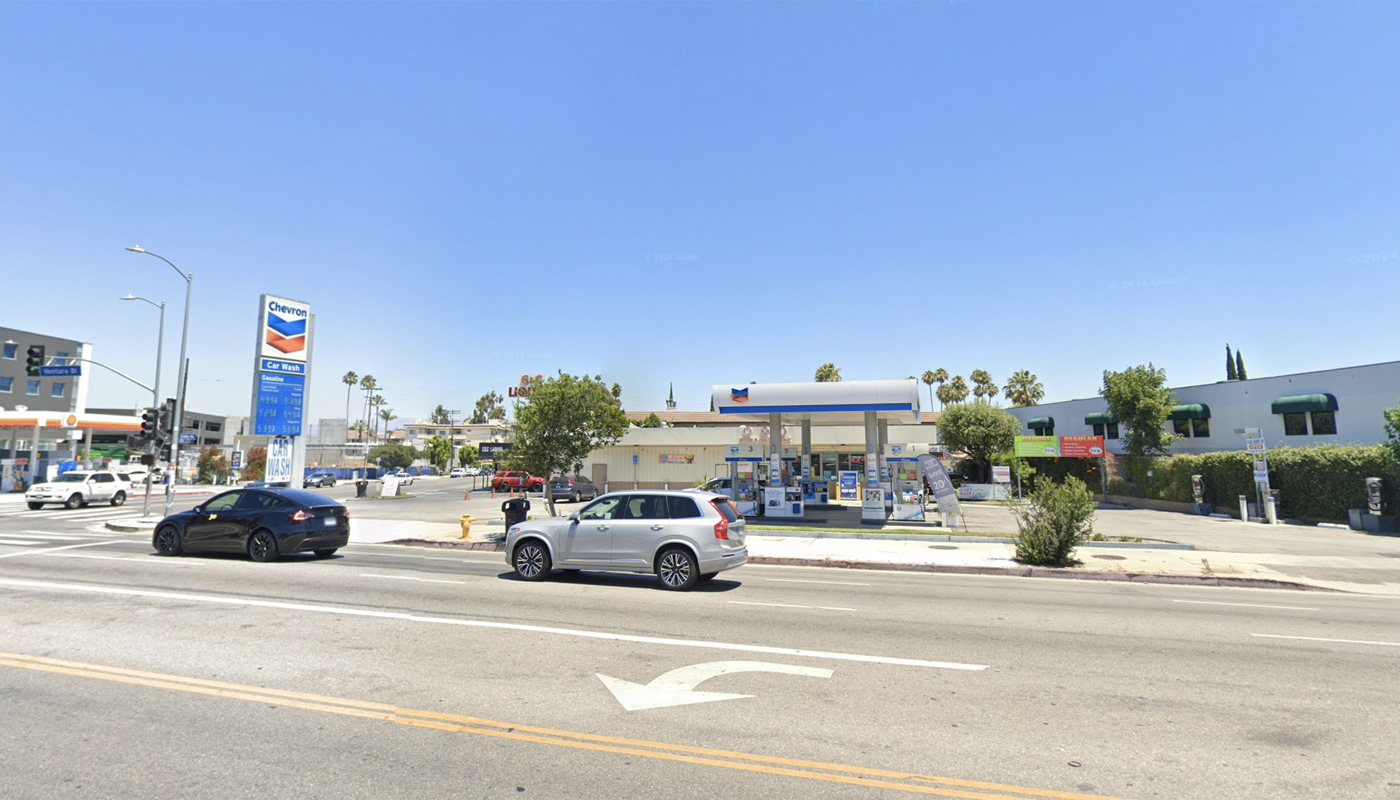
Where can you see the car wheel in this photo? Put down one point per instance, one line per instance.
(35, 506)
(118, 498)
(677, 569)
(578, 497)
(168, 541)
(262, 546)
(325, 552)
(73, 502)
(531, 561)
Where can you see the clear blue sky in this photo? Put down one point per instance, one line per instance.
(703, 193)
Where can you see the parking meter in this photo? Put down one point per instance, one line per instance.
(1373, 495)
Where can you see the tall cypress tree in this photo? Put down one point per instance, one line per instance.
(1230, 373)
(1239, 366)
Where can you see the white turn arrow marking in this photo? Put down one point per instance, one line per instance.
(677, 687)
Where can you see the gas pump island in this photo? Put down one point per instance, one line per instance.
(777, 481)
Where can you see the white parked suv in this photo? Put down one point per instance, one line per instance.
(682, 537)
(79, 488)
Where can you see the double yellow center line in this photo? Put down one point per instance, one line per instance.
(457, 723)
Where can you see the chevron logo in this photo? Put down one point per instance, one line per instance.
(287, 335)
(739, 395)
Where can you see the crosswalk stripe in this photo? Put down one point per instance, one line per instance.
(4, 540)
(52, 535)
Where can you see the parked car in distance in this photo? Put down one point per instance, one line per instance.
(683, 537)
(513, 480)
(264, 524)
(77, 488)
(573, 487)
(457, 472)
(318, 479)
(401, 476)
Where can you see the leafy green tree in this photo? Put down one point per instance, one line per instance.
(1239, 366)
(438, 451)
(468, 456)
(1023, 389)
(652, 421)
(440, 416)
(980, 430)
(563, 420)
(255, 464)
(213, 465)
(1141, 401)
(1231, 371)
(828, 373)
(488, 407)
(393, 455)
(982, 385)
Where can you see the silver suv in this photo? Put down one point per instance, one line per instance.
(684, 537)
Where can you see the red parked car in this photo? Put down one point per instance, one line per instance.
(517, 481)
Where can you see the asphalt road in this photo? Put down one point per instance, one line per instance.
(402, 672)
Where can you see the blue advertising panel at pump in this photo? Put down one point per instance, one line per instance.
(281, 366)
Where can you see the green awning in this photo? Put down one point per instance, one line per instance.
(1040, 422)
(1196, 411)
(1304, 402)
(1100, 418)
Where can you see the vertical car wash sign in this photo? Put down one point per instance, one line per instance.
(280, 372)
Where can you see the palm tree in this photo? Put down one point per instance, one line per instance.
(957, 389)
(374, 403)
(386, 414)
(982, 384)
(929, 379)
(349, 380)
(828, 373)
(367, 384)
(1023, 389)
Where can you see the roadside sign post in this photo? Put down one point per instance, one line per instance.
(281, 377)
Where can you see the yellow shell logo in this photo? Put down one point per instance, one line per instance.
(72, 419)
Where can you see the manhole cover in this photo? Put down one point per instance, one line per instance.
(1112, 558)
(942, 547)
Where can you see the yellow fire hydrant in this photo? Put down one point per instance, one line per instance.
(466, 526)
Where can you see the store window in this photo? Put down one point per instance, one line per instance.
(1112, 430)
(1324, 423)
(11, 348)
(1295, 424)
(61, 359)
(31, 387)
(7, 385)
(58, 389)
(213, 427)
(1109, 431)
(1182, 427)
(1200, 428)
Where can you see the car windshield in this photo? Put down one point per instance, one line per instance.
(71, 477)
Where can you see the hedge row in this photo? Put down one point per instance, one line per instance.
(1318, 483)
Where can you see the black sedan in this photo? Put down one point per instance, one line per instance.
(263, 523)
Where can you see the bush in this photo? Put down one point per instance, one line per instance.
(1058, 518)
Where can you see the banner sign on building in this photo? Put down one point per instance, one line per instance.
(279, 460)
(1081, 447)
(941, 484)
(1037, 446)
(284, 342)
(675, 458)
(493, 450)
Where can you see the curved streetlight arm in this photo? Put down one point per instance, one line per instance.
(139, 249)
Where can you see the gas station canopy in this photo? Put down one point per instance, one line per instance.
(830, 403)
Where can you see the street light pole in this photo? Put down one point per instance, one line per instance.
(178, 425)
(155, 390)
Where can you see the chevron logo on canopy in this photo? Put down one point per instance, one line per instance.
(739, 395)
(287, 335)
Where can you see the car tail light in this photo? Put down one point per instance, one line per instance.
(302, 516)
(721, 527)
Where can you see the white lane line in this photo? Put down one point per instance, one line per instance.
(474, 623)
(56, 549)
(1244, 605)
(406, 578)
(787, 605)
(52, 535)
(4, 540)
(142, 559)
(829, 583)
(1316, 639)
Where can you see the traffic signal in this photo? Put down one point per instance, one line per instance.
(34, 358)
(150, 424)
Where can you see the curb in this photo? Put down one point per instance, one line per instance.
(1016, 572)
(948, 537)
(126, 527)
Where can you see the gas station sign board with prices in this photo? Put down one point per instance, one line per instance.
(284, 344)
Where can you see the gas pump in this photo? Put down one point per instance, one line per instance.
(747, 499)
(907, 485)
